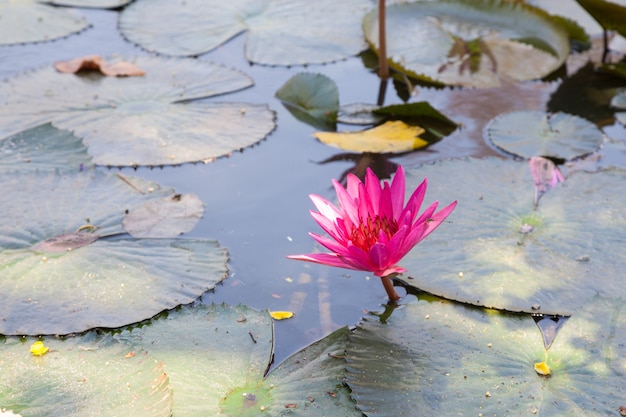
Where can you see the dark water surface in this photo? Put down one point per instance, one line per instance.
(256, 200)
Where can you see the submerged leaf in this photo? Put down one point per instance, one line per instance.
(150, 120)
(537, 133)
(470, 43)
(393, 136)
(278, 31)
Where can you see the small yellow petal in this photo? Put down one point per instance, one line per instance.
(542, 368)
(38, 348)
(281, 315)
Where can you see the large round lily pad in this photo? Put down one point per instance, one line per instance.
(82, 376)
(498, 251)
(279, 32)
(31, 21)
(441, 358)
(43, 148)
(536, 133)
(148, 120)
(67, 266)
(470, 43)
(217, 355)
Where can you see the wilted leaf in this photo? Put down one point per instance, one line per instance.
(279, 32)
(312, 99)
(96, 63)
(394, 137)
(31, 21)
(165, 217)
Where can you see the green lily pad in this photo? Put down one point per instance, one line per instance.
(26, 21)
(100, 4)
(148, 120)
(66, 265)
(609, 14)
(535, 133)
(441, 358)
(470, 43)
(217, 355)
(82, 376)
(279, 32)
(43, 148)
(497, 251)
(165, 217)
(312, 99)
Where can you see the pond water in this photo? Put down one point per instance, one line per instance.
(256, 200)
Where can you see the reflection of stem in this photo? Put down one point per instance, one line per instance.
(383, 69)
(391, 291)
(381, 92)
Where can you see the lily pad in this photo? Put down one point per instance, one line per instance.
(437, 358)
(43, 148)
(147, 120)
(67, 266)
(390, 137)
(498, 251)
(80, 376)
(470, 43)
(26, 21)
(165, 217)
(228, 381)
(312, 99)
(535, 133)
(279, 32)
(619, 101)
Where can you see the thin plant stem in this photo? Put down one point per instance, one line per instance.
(391, 291)
(383, 67)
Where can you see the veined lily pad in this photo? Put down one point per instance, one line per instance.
(147, 120)
(470, 43)
(536, 133)
(31, 21)
(216, 357)
(390, 137)
(497, 251)
(82, 376)
(280, 32)
(441, 358)
(56, 280)
(311, 98)
(43, 148)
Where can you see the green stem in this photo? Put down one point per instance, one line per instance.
(391, 291)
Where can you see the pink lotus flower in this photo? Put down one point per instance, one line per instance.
(372, 229)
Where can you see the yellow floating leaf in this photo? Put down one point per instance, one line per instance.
(38, 348)
(281, 315)
(390, 137)
(542, 368)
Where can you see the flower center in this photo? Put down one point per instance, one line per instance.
(366, 234)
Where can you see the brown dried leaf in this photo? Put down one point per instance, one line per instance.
(96, 63)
